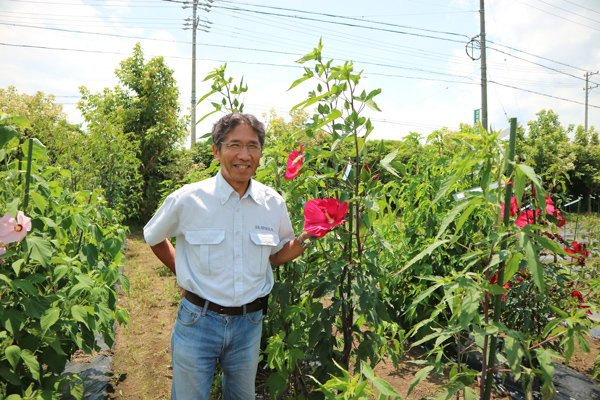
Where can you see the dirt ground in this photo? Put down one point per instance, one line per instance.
(141, 366)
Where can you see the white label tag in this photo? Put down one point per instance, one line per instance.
(348, 169)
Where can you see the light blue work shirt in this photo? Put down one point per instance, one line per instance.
(223, 242)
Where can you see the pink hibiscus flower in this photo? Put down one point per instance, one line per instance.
(14, 230)
(322, 215)
(294, 163)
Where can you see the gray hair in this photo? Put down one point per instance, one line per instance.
(230, 121)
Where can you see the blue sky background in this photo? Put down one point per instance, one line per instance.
(539, 51)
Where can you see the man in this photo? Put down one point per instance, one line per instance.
(228, 228)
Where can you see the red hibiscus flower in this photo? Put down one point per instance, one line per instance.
(578, 248)
(550, 205)
(294, 163)
(322, 215)
(579, 297)
(561, 220)
(526, 217)
(514, 207)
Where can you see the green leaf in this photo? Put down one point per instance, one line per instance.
(13, 355)
(39, 200)
(125, 283)
(112, 246)
(309, 74)
(16, 266)
(7, 133)
(79, 314)
(49, 317)
(385, 163)
(452, 215)
(41, 249)
(545, 242)
(424, 253)
(82, 221)
(534, 266)
(77, 390)
(514, 353)
(313, 100)
(370, 103)
(39, 150)
(24, 286)
(31, 362)
(91, 253)
(419, 377)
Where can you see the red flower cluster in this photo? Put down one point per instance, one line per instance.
(579, 297)
(578, 248)
(527, 217)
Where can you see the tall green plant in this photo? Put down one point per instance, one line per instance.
(57, 283)
(503, 256)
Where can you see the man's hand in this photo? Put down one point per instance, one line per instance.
(291, 249)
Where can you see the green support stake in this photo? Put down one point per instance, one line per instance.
(489, 379)
(28, 174)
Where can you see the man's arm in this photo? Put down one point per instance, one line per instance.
(290, 250)
(166, 253)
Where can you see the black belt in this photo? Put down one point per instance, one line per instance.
(256, 305)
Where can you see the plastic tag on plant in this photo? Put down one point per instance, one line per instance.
(348, 169)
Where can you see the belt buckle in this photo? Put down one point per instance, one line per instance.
(220, 311)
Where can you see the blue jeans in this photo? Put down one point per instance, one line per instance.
(200, 339)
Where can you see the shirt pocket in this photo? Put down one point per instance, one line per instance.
(206, 250)
(260, 250)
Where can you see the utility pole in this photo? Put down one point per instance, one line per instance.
(587, 92)
(484, 107)
(195, 25)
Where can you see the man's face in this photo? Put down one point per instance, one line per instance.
(238, 168)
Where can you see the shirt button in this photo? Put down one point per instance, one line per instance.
(237, 256)
(237, 232)
(239, 278)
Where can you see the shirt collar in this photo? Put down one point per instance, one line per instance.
(225, 190)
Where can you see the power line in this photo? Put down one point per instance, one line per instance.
(571, 12)
(579, 5)
(339, 23)
(532, 62)
(558, 16)
(351, 19)
(541, 94)
(530, 54)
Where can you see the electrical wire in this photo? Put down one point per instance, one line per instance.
(558, 16)
(571, 12)
(541, 94)
(579, 5)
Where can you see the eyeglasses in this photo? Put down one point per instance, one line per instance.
(237, 147)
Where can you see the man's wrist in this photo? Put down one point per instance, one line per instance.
(306, 240)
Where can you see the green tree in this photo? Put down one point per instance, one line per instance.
(546, 148)
(47, 121)
(147, 109)
(585, 178)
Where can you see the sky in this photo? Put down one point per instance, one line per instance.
(423, 55)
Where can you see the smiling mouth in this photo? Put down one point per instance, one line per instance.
(243, 166)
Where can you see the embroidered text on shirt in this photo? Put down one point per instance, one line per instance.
(264, 228)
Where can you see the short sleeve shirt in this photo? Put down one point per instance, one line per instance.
(223, 243)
